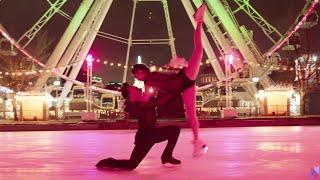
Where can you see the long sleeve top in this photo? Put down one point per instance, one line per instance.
(171, 83)
(147, 114)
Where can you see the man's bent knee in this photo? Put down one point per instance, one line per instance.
(132, 166)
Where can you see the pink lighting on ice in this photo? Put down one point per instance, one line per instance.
(234, 153)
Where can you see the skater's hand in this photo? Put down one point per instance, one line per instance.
(198, 16)
(149, 93)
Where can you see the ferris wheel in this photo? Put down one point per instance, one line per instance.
(225, 36)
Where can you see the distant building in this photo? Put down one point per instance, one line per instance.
(206, 75)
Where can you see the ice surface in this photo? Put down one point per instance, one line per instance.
(234, 153)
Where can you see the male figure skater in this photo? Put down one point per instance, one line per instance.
(182, 82)
(147, 134)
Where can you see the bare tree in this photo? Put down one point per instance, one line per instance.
(19, 72)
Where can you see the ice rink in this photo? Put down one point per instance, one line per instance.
(234, 153)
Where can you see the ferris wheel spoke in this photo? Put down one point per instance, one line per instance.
(28, 36)
(270, 31)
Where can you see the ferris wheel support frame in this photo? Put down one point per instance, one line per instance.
(209, 21)
(125, 71)
(266, 27)
(213, 27)
(223, 40)
(79, 37)
(130, 41)
(64, 41)
(87, 43)
(169, 28)
(238, 39)
(206, 44)
(28, 36)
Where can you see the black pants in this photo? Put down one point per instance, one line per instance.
(143, 143)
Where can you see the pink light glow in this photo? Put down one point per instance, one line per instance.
(89, 58)
(237, 153)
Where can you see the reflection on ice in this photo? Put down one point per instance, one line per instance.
(279, 147)
(234, 153)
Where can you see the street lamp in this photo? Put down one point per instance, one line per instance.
(255, 79)
(228, 61)
(139, 60)
(261, 94)
(56, 85)
(137, 83)
(89, 60)
(228, 111)
(314, 58)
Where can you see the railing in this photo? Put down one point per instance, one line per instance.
(276, 110)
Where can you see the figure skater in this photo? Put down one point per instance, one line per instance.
(147, 134)
(181, 82)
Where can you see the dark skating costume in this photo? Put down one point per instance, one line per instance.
(146, 136)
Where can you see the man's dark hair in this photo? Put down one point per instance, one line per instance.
(137, 67)
(124, 90)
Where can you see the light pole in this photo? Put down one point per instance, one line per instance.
(56, 85)
(228, 61)
(137, 83)
(229, 111)
(139, 60)
(89, 60)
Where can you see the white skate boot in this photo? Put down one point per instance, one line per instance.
(199, 148)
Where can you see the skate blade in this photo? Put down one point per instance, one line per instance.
(168, 165)
(203, 151)
(105, 168)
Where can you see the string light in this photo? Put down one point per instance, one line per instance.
(297, 27)
(17, 46)
(32, 72)
(153, 68)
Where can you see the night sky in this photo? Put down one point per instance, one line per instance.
(17, 16)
